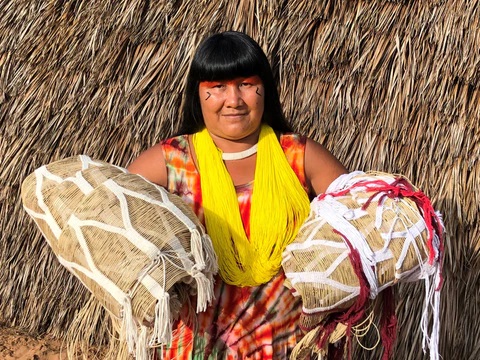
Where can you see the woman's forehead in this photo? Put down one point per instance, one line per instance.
(254, 79)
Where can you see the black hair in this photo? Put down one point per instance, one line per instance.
(225, 56)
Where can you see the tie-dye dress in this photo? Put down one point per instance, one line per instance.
(243, 322)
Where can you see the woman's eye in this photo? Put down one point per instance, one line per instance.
(246, 84)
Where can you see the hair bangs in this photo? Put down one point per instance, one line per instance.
(226, 56)
(226, 62)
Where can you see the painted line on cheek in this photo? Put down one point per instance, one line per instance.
(256, 92)
(208, 95)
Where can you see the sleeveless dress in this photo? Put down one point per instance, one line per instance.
(242, 322)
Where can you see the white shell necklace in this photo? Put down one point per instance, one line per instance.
(241, 154)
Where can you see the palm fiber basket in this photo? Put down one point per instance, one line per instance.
(365, 234)
(139, 249)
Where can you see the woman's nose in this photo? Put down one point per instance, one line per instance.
(233, 96)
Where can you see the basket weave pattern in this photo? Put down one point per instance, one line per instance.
(129, 241)
(387, 230)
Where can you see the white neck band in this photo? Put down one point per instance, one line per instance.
(241, 154)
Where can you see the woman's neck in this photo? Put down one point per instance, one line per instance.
(236, 145)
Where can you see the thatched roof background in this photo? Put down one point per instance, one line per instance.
(391, 86)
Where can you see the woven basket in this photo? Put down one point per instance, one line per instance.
(52, 192)
(375, 215)
(129, 241)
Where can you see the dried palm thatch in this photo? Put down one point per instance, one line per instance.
(388, 86)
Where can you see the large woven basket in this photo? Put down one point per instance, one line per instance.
(384, 221)
(135, 246)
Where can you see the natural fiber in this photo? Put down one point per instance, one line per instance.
(392, 86)
(129, 242)
(279, 207)
(365, 234)
(53, 192)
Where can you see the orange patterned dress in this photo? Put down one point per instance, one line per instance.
(243, 322)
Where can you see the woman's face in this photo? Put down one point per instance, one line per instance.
(232, 109)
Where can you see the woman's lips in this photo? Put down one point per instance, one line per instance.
(235, 115)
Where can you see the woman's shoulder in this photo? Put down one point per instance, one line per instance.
(293, 145)
(321, 166)
(177, 142)
(292, 140)
(177, 152)
(176, 147)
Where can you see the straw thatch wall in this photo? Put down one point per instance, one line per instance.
(392, 86)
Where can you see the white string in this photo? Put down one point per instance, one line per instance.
(141, 351)
(328, 211)
(48, 217)
(128, 324)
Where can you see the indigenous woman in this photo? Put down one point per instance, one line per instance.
(249, 179)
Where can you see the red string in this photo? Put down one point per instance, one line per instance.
(356, 312)
(388, 323)
(401, 188)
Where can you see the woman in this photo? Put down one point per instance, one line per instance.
(249, 179)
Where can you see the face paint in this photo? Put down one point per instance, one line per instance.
(219, 89)
(232, 109)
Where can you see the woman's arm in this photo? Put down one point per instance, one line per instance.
(151, 165)
(321, 167)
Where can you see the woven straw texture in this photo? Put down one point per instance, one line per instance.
(51, 194)
(317, 265)
(388, 229)
(130, 242)
(392, 86)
